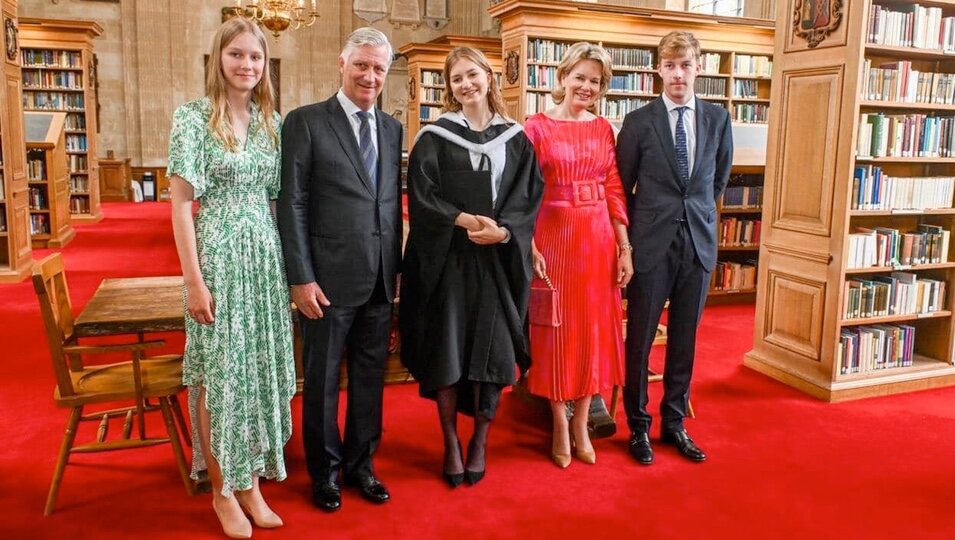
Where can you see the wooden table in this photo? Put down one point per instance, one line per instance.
(154, 304)
(133, 306)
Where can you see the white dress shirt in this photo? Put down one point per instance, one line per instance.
(689, 124)
(351, 111)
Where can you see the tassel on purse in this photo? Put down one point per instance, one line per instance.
(544, 304)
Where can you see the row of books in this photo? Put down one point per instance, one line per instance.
(742, 197)
(52, 100)
(911, 26)
(76, 143)
(710, 62)
(751, 113)
(75, 121)
(733, 276)
(874, 190)
(79, 205)
(631, 58)
(545, 50)
(429, 113)
(3, 221)
(897, 81)
(870, 348)
(77, 163)
(536, 102)
(755, 66)
(747, 89)
(431, 94)
(36, 199)
(541, 76)
(36, 169)
(901, 293)
(632, 82)
(72, 80)
(736, 232)
(617, 108)
(435, 78)
(50, 58)
(39, 224)
(710, 86)
(79, 184)
(884, 246)
(905, 135)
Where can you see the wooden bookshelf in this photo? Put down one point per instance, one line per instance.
(48, 193)
(425, 75)
(812, 207)
(15, 248)
(59, 74)
(738, 229)
(535, 33)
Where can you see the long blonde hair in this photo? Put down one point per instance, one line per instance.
(494, 100)
(579, 52)
(216, 85)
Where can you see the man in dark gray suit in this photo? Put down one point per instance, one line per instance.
(339, 216)
(677, 151)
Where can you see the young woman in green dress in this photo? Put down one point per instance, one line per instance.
(238, 362)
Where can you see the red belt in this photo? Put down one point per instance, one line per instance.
(580, 193)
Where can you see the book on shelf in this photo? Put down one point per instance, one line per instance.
(872, 189)
(79, 205)
(736, 232)
(746, 65)
(3, 191)
(545, 50)
(742, 197)
(432, 78)
(901, 293)
(884, 247)
(616, 108)
(71, 80)
(429, 113)
(898, 82)
(710, 86)
(751, 113)
(905, 135)
(710, 63)
(911, 26)
(746, 89)
(39, 224)
(875, 347)
(733, 276)
(3, 221)
(632, 82)
(36, 169)
(46, 58)
(627, 57)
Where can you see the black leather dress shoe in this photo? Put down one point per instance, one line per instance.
(371, 489)
(682, 441)
(640, 448)
(327, 496)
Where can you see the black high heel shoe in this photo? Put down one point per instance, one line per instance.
(473, 477)
(454, 480)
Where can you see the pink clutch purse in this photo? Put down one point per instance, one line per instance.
(544, 304)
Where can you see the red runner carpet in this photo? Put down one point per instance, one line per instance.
(781, 465)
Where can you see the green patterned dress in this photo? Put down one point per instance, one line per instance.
(245, 359)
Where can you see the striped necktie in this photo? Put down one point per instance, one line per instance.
(682, 156)
(368, 155)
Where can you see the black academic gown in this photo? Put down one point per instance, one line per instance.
(463, 306)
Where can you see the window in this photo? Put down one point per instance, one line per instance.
(730, 8)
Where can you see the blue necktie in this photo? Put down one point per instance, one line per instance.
(368, 155)
(682, 156)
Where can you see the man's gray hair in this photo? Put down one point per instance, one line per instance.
(366, 36)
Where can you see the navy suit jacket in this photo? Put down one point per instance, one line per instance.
(336, 229)
(647, 159)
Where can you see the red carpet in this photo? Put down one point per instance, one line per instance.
(782, 465)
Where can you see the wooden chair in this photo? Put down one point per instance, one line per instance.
(77, 385)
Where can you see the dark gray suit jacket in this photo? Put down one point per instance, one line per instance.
(336, 230)
(647, 159)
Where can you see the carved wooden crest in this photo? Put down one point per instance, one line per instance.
(814, 20)
(512, 66)
(412, 88)
(10, 39)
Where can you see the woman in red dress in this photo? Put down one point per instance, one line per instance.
(581, 244)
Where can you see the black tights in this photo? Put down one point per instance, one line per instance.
(447, 399)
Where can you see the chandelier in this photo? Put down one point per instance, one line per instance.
(278, 15)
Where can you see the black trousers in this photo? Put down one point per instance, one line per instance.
(683, 280)
(361, 332)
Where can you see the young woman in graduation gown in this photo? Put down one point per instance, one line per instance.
(474, 192)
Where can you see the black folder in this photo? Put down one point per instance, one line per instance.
(469, 191)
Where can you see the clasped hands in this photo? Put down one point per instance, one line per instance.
(482, 230)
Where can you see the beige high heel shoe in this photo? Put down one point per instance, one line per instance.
(587, 456)
(233, 529)
(561, 460)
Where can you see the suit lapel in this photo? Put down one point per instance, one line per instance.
(661, 125)
(346, 137)
(702, 125)
(385, 156)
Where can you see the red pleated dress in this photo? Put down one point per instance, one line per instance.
(583, 192)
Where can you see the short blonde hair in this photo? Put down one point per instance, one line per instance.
(494, 100)
(577, 53)
(678, 43)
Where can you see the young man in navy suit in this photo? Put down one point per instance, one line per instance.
(677, 151)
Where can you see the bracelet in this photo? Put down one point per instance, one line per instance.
(626, 247)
